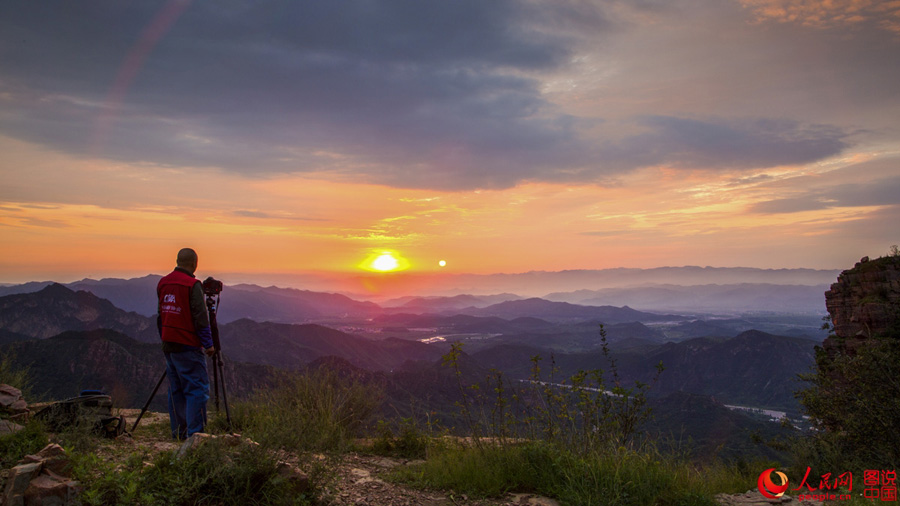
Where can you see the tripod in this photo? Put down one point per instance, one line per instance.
(212, 305)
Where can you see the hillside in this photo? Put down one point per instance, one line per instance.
(56, 309)
(62, 365)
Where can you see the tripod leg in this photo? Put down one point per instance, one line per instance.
(224, 395)
(149, 400)
(216, 378)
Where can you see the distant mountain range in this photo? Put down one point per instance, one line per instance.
(744, 297)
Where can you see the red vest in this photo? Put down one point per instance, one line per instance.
(174, 292)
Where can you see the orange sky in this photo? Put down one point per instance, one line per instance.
(774, 146)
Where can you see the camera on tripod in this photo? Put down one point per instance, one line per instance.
(212, 286)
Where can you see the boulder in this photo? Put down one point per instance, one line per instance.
(40, 479)
(11, 401)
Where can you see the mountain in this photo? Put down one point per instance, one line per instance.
(285, 305)
(540, 308)
(747, 297)
(710, 430)
(288, 305)
(62, 365)
(462, 323)
(446, 304)
(56, 309)
(754, 368)
(291, 346)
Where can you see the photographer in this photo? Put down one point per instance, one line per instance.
(184, 327)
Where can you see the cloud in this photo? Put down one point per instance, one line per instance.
(439, 95)
(830, 14)
(879, 192)
(727, 144)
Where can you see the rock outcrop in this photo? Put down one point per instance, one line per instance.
(41, 479)
(864, 303)
(12, 405)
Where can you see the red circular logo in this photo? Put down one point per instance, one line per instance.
(768, 488)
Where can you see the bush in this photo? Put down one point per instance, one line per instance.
(212, 474)
(313, 410)
(28, 441)
(854, 404)
(618, 476)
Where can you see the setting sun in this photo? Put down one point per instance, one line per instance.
(385, 261)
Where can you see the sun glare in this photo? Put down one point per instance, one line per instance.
(385, 261)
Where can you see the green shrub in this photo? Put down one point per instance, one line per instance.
(28, 441)
(313, 410)
(617, 476)
(212, 474)
(15, 375)
(854, 403)
(409, 443)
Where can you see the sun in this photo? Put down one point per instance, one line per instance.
(384, 261)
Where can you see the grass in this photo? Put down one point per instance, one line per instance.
(619, 476)
(28, 441)
(213, 474)
(318, 410)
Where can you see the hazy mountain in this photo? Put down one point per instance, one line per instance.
(540, 308)
(463, 323)
(56, 309)
(30, 287)
(62, 365)
(446, 304)
(288, 305)
(285, 305)
(293, 346)
(746, 297)
(538, 283)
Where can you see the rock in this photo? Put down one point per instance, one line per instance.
(297, 480)
(17, 483)
(48, 489)
(11, 400)
(533, 500)
(54, 459)
(8, 427)
(192, 443)
(863, 303)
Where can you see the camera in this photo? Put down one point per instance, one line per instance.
(212, 286)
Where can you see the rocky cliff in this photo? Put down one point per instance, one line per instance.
(864, 303)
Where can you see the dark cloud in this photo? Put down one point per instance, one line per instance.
(405, 92)
(880, 192)
(728, 144)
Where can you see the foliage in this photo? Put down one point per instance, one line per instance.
(854, 403)
(574, 439)
(615, 476)
(211, 474)
(13, 447)
(319, 409)
(15, 375)
(580, 413)
(409, 442)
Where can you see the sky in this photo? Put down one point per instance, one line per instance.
(506, 136)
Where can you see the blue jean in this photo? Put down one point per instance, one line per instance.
(188, 392)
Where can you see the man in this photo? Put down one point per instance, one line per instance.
(184, 328)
